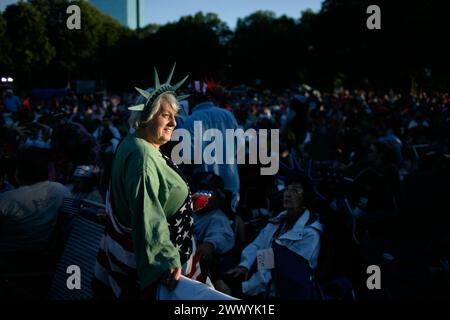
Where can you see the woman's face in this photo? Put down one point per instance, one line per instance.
(293, 196)
(162, 124)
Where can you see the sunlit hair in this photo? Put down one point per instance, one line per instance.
(135, 120)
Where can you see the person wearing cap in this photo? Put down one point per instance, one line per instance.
(149, 232)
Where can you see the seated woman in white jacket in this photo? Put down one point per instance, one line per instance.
(286, 250)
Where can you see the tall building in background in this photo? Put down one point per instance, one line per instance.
(125, 11)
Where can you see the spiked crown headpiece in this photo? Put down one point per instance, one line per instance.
(146, 107)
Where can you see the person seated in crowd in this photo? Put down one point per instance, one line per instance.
(212, 228)
(39, 136)
(286, 251)
(108, 136)
(115, 105)
(84, 187)
(28, 214)
(72, 145)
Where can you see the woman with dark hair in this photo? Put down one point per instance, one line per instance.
(286, 250)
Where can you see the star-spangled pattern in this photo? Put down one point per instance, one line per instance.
(177, 222)
(181, 223)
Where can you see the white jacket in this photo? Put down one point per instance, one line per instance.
(301, 239)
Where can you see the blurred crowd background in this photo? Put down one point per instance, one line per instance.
(364, 114)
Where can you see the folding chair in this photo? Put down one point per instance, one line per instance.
(80, 250)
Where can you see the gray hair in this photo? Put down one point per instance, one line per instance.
(135, 120)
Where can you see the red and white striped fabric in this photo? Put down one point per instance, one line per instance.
(193, 270)
(115, 274)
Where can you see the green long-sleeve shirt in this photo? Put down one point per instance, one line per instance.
(145, 192)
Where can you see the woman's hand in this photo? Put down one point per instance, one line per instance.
(170, 278)
(239, 270)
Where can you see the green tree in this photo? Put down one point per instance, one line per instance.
(148, 30)
(31, 49)
(195, 42)
(83, 53)
(265, 47)
(219, 27)
(5, 60)
(410, 40)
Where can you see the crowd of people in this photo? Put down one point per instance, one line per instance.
(360, 172)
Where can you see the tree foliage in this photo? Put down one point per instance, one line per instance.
(265, 48)
(30, 46)
(324, 48)
(5, 45)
